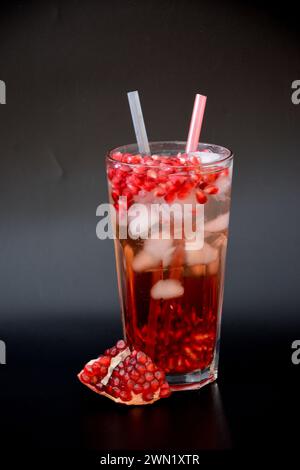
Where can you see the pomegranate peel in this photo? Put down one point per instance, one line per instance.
(126, 376)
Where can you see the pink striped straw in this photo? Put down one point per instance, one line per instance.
(196, 124)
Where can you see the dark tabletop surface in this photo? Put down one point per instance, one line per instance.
(45, 410)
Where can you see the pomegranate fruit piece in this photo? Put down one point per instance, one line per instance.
(125, 376)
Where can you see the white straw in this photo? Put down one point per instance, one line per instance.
(138, 122)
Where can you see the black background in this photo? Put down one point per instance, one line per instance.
(67, 67)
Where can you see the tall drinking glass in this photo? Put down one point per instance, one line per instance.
(171, 279)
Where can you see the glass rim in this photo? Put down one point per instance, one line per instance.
(225, 154)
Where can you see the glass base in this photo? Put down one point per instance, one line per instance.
(192, 380)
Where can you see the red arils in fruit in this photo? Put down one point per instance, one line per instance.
(104, 360)
(125, 376)
(148, 396)
(125, 395)
(149, 376)
(84, 378)
(121, 344)
(137, 388)
(150, 366)
(88, 369)
(141, 357)
(140, 368)
(164, 391)
(201, 197)
(211, 189)
(154, 385)
(159, 375)
(169, 198)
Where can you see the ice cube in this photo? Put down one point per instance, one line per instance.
(218, 224)
(207, 255)
(167, 258)
(167, 289)
(144, 261)
(223, 184)
(198, 270)
(207, 157)
(213, 267)
(158, 247)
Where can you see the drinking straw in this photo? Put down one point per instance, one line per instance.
(196, 124)
(138, 122)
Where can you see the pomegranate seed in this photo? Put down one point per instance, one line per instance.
(154, 385)
(148, 396)
(201, 197)
(99, 386)
(88, 369)
(165, 391)
(130, 384)
(148, 186)
(139, 170)
(110, 173)
(149, 376)
(141, 380)
(115, 382)
(159, 192)
(136, 159)
(150, 367)
(134, 375)
(117, 156)
(140, 368)
(162, 177)
(152, 174)
(133, 189)
(85, 378)
(182, 194)
(115, 195)
(170, 197)
(159, 375)
(96, 367)
(121, 344)
(126, 377)
(137, 388)
(211, 189)
(141, 357)
(116, 392)
(224, 172)
(103, 371)
(113, 352)
(125, 396)
(127, 193)
(103, 360)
